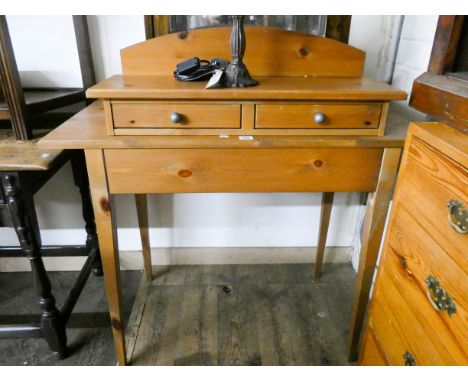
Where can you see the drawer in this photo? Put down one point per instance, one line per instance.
(430, 181)
(404, 322)
(371, 354)
(176, 115)
(242, 170)
(317, 116)
(413, 256)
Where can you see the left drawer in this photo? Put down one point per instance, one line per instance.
(160, 115)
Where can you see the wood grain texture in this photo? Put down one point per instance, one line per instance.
(26, 156)
(419, 243)
(443, 98)
(371, 354)
(301, 116)
(107, 233)
(397, 331)
(374, 222)
(109, 117)
(301, 54)
(271, 88)
(242, 170)
(436, 179)
(87, 129)
(445, 44)
(408, 269)
(193, 115)
(325, 213)
(234, 315)
(443, 138)
(142, 213)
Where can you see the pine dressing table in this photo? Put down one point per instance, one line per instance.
(261, 139)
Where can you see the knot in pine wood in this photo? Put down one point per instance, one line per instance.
(184, 173)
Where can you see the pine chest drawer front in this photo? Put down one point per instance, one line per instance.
(429, 291)
(242, 170)
(317, 116)
(372, 354)
(401, 332)
(433, 181)
(160, 115)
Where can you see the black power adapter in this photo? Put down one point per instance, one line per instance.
(195, 69)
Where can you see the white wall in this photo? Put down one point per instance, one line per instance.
(214, 220)
(413, 57)
(45, 50)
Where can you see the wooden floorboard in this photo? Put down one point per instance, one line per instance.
(243, 315)
(198, 315)
(91, 345)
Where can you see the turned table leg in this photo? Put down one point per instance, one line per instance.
(374, 223)
(107, 233)
(327, 203)
(23, 216)
(142, 212)
(80, 176)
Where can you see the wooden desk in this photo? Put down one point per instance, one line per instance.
(323, 164)
(312, 125)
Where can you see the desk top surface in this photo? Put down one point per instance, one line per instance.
(269, 88)
(87, 130)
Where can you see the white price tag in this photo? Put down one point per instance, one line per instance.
(215, 79)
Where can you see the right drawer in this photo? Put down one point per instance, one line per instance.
(317, 116)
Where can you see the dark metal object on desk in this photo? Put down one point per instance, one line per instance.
(237, 75)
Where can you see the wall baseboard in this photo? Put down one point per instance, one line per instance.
(132, 260)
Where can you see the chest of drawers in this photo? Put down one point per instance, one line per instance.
(419, 308)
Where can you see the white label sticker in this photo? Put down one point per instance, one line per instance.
(224, 136)
(245, 138)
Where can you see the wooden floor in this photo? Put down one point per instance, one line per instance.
(89, 337)
(199, 315)
(242, 315)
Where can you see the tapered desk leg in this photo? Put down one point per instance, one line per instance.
(142, 212)
(327, 203)
(374, 223)
(107, 234)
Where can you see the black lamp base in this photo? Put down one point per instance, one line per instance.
(237, 76)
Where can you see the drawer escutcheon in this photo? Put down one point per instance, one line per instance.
(458, 216)
(409, 359)
(438, 297)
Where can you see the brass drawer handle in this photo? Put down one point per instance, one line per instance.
(409, 359)
(438, 297)
(458, 216)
